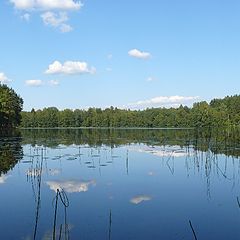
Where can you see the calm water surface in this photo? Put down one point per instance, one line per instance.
(119, 184)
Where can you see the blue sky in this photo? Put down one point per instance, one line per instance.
(136, 54)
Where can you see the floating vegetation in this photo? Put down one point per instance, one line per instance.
(28, 155)
(88, 162)
(71, 158)
(91, 166)
(26, 161)
(55, 158)
(103, 165)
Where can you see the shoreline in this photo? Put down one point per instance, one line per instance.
(107, 128)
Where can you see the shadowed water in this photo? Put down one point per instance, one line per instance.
(120, 184)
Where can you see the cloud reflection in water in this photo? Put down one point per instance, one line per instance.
(71, 186)
(140, 198)
(3, 178)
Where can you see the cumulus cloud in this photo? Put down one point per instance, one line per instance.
(164, 101)
(57, 20)
(4, 79)
(139, 54)
(71, 186)
(139, 199)
(69, 67)
(46, 4)
(34, 83)
(54, 11)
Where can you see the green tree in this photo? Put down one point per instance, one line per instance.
(11, 106)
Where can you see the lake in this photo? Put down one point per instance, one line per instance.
(120, 184)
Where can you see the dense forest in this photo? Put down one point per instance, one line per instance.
(218, 113)
(11, 106)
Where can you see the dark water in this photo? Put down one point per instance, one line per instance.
(120, 184)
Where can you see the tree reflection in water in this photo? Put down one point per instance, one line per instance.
(207, 154)
(11, 151)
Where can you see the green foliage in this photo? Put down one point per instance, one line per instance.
(10, 107)
(219, 113)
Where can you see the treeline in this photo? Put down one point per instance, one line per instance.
(10, 107)
(218, 113)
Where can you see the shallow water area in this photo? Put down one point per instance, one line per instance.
(119, 184)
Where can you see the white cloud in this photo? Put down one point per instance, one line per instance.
(4, 79)
(140, 199)
(164, 101)
(23, 4)
(38, 83)
(34, 83)
(57, 20)
(139, 54)
(65, 28)
(53, 83)
(3, 178)
(71, 186)
(46, 4)
(162, 151)
(26, 17)
(54, 11)
(53, 19)
(69, 67)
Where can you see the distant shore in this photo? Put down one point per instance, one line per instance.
(106, 128)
